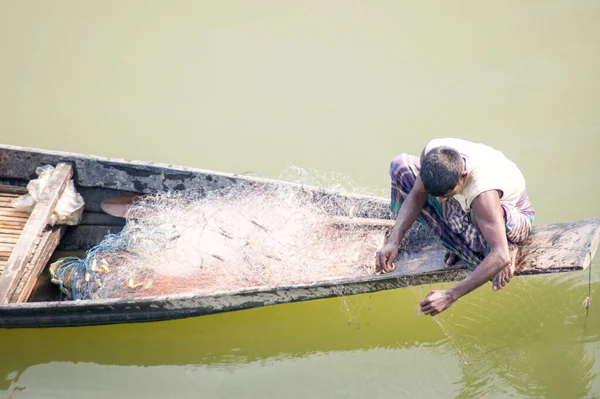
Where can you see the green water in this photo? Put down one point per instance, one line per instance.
(339, 87)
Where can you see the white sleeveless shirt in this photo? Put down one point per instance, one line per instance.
(487, 168)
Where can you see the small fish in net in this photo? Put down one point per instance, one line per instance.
(239, 237)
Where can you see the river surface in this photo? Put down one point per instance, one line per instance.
(337, 87)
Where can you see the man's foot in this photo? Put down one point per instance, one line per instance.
(450, 258)
(507, 273)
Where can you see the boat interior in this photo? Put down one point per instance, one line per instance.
(28, 244)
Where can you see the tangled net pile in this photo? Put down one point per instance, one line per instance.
(240, 237)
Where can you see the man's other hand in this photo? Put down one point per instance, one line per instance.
(437, 301)
(386, 257)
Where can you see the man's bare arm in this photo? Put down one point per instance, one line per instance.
(407, 215)
(491, 224)
(488, 213)
(409, 211)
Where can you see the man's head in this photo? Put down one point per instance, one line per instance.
(443, 172)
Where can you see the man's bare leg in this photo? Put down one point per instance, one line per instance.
(505, 275)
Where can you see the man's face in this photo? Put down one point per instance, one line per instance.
(452, 192)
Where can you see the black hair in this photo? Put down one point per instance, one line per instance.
(441, 169)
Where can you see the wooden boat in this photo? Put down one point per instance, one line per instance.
(28, 299)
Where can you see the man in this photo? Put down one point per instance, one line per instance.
(474, 201)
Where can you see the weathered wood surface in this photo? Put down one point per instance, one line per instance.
(8, 189)
(10, 230)
(23, 250)
(559, 247)
(549, 249)
(44, 250)
(18, 164)
(85, 237)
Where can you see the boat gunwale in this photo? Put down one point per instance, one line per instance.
(66, 156)
(332, 283)
(328, 283)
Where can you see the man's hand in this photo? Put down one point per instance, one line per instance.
(437, 301)
(386, 257)
(408, 213)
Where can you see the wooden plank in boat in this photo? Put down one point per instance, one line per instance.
(49, 241)
(34, 227)
(5, 188)
(550, 248)
(560, 247)
(85, 237)
(101, 219)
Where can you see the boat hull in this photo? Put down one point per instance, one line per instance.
(552, 248)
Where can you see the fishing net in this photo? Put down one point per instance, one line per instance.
(247, 235)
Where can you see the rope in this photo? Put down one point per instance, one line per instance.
(588, 300)
(252, 172)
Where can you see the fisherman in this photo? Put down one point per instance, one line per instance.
(474, 201)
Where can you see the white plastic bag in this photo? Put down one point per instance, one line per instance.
(69, 208)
